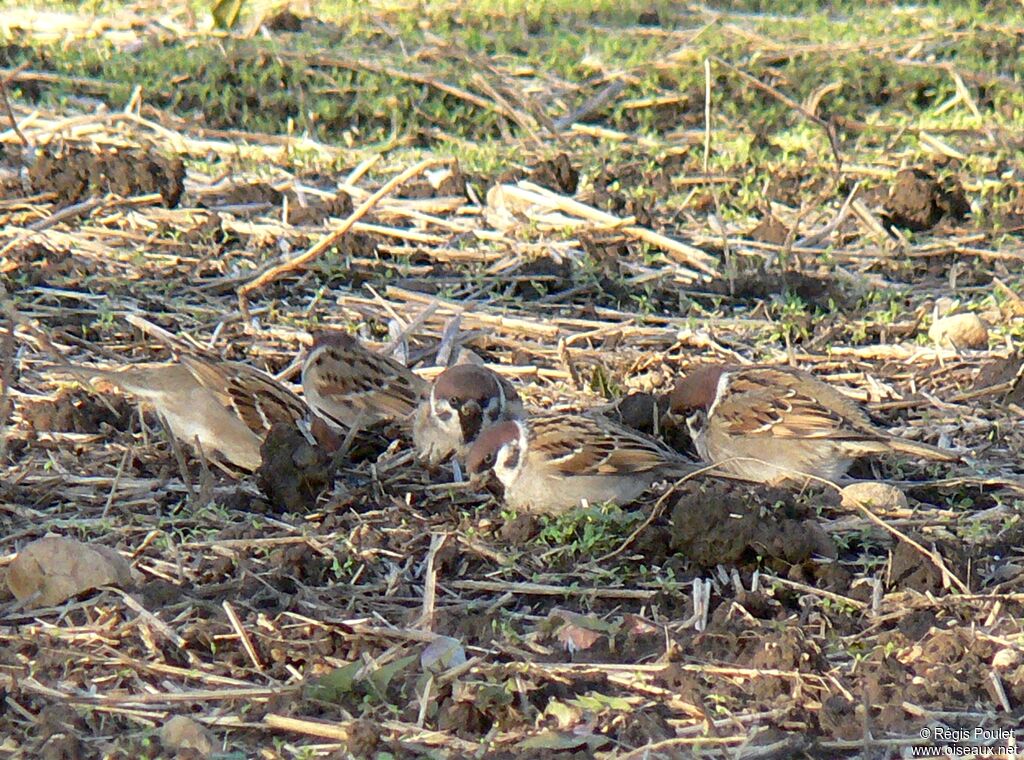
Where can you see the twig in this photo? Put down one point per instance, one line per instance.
(707, 113)
(815, 591)
(677, 250)
(243, 636)
(545, 589)
(84, 208)
(332, 237)
(426, 621)
(6, 370)
(114, 485)
(596, 101)
(159, 625)
(7, 103)
(830, 131)
(449, 337)
(410, 76)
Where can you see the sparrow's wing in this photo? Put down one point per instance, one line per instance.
(252, 396)
(783, 404)
(350, 382)
(580, 445)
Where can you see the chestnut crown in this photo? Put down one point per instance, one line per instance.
(464, 382)
(484, 453)
(697, 389)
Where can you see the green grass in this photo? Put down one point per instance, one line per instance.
(564, 52)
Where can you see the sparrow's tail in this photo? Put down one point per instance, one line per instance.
(924, 450)
(135, 379)
(682, 469)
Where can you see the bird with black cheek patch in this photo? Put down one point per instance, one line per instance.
(353, 388)
(464, 400)
(552, 463)
(776, 424)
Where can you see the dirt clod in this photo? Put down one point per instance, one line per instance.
(74, 173)
(959, 331)
(918, 201)
(908, 568)
(363, 738)
(557, 174)
(838, 718)
(75, 413)
(285, 21)
(914, 625)
(770, 230)
(294, 472)
(722, 521)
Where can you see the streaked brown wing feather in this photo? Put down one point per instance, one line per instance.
(581, 445)
(376, 383)
(256, 398)
(261, 403)
(776, 402)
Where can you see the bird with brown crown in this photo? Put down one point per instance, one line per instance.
(775, 424)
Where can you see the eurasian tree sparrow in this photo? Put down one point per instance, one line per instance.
(352, 387)
(553, 462)
(226, 407)
(771, 424)
(464, 400)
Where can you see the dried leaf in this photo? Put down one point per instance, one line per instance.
(634, 625)
(181, 732)
(579, 632)
(566, 715)
(442, 653)
(556, 740)
(595, 702)
(589, 622)
(871, 493)
(53, 569)
(576, 638)
(959, 331)
(225, 13)
(491, 696)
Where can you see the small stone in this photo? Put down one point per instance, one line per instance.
(959, 331)
(873, 494)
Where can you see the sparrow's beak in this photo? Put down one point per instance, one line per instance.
(471, 418)
(478, 480)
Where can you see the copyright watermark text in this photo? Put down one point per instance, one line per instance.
(966, 742)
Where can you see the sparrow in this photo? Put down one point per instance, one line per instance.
(463, 401)
(772, 424)
(225, 407)
(352, 388)
(552, 463)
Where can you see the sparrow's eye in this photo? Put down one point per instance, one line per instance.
(489, 460)
(455, 402)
